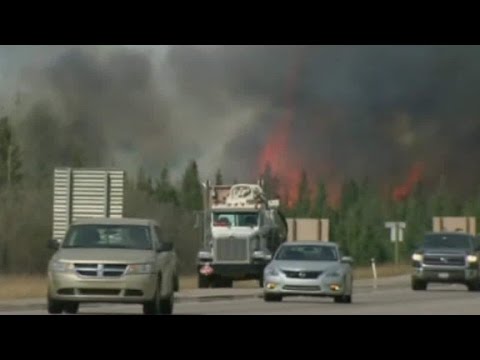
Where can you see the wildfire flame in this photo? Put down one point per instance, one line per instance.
(277, 151)
(403, 191)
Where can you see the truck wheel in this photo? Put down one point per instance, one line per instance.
(272, 298)
(203, 281)
(54, 306)
(71, 307)
(473, 286)
(219, 282)
(419, 285)
(227, 283)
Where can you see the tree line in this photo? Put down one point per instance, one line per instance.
(356, 222)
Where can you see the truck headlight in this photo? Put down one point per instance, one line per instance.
(140, 268)
(204, 255)
(61, 266)
(417, 257)
(271, 271)
(472, 258)
(261, 254)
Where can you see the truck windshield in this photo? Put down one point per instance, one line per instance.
(455, 241)
(307, 253)
(108, 237)
(235, 219)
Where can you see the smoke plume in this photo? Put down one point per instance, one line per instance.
(353, 111)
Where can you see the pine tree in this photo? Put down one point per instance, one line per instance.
(10, 161)
(302, 207)
(144, 182)
(320, 207)
(192, 188)
(165, 191)
(271, 184)
(350, 195)
(218, 178)
(440, 203)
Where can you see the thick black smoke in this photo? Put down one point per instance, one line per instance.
(359, 110)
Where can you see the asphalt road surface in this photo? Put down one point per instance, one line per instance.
(438, 299)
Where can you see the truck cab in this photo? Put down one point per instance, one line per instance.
(242, 230)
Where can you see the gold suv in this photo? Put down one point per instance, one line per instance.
(107, 260)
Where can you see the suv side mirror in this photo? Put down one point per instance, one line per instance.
(53, 244)
(165, 246)
(347, 260)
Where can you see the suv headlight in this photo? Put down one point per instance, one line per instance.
(472, 258)
(140, 268)
(61, 266)
(271, 271)
(417, 257)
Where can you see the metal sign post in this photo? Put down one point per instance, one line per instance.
(396, 235)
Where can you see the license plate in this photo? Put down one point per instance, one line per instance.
(443, 275)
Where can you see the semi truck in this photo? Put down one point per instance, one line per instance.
(241, 231)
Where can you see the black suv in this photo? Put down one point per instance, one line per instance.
(447, 257)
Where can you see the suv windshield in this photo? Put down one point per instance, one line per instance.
(307, 253)
(235, 219)
(455, 241)
(108, 237)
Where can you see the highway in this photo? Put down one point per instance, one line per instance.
(397, 300)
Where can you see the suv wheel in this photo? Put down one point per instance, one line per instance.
(71, 307)
(166, 305)
(473, 286)
(419, 285)
(153, 307)
(54, 306)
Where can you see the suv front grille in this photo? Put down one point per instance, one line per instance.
(100, 270)
(444, 260)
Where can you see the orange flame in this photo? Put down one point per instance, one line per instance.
(403, 191)
(277, 152)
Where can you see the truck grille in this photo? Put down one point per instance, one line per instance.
(231, 249)
(445, 260)
(302, 274)
(100, 270)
